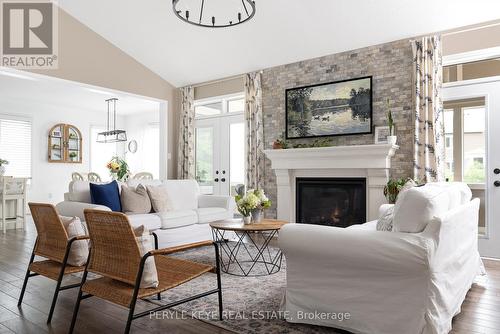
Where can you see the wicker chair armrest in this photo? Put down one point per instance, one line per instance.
(170, 250)
(79, 237)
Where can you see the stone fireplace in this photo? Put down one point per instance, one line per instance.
(371, 163)
(339, 202)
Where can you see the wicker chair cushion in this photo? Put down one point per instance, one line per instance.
(149, 275)
(136, 200)
(79, 251)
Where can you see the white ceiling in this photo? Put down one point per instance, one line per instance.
(282, 31)
(24, 87)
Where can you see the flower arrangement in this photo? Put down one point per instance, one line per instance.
(118, 169)
(252, 203)
(3, 162)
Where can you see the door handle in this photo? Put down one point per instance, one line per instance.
(496, 183)
(223, 179)
(496, 171)
(216, 179)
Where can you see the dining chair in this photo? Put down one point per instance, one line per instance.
(115, 256)
(75, 176)
(13, 189)
(143, 176)
(52, 244)
(94, 177)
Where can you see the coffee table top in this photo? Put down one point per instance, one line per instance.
(237, 225)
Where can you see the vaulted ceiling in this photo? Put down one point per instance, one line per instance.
(282, 31)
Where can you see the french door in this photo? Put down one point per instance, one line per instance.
(219, 153)
(479, 100)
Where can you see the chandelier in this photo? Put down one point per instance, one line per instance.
(112, 134)
(206, 13)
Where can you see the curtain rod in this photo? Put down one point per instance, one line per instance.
(206, 83)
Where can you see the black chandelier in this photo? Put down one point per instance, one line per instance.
(199, 17)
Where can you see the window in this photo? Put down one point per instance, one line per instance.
(15, 146)
(471, 70)
(219, 106)
(100, 153)
(151, 156)
(465, 125)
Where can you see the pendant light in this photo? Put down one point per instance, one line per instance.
(112, 134)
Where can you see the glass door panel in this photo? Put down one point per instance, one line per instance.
(236, 156)
(207, 155)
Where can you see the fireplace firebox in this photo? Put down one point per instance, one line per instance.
(339, 202)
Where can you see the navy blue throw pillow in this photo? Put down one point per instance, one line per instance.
(107, 195)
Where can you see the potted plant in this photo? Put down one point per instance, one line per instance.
(2, 166)
(73, 156)
(392, 188)
(118, 169)
(280, 143)
(251, 204)
(391, 138)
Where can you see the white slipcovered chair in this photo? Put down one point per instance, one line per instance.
(388, 282)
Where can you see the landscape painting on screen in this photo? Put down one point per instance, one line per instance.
(330, 109)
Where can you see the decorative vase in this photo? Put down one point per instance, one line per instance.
(2, 170)
(392, 140)
(257, 215)
(247, 220)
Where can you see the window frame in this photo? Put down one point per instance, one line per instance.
(29, 119)
(224, 99)
(457, 144)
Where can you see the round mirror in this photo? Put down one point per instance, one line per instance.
(132, 146)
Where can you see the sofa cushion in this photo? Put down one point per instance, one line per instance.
(107, 195)
(178, 218)
(134, 183)
(79, 191)
(149, 220)
(385, 221)
(458, 193)
(135, 200)
(416, 207)
(183, 194)
(208, 215)
(159, 198)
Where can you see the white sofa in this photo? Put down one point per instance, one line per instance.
(188, 221)
(386, 282)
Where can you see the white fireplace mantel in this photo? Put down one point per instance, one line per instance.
(372, 162)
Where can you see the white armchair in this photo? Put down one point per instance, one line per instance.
(388, 282)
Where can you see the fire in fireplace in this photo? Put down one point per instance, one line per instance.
(339, 202)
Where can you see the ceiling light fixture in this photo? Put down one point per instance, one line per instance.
(243, 13)
(111, 135)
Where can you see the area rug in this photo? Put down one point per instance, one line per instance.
(251, 304)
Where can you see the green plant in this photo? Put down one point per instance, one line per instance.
(390, 120)
(392, 188)
(118, 168)
(252, 199)
(73, 155)
(3, 162)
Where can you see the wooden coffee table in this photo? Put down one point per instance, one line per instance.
(250, 251)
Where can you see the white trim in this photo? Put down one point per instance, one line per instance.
(224, 100)
(471, 56)
(471, 82)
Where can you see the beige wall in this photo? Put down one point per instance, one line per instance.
(474, 39)
(85, 56)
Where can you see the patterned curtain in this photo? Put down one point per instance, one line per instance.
(428, 107)
(186, 163)
(254, 130)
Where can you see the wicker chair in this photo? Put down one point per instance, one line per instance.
(115, 256)
(52, 243)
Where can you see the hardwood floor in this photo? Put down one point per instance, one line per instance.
(480, 311)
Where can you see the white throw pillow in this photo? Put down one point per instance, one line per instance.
(159, 198)
(79, 252)
(145, 242)
(415, 208)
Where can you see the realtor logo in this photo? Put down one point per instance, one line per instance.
(29, 34)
